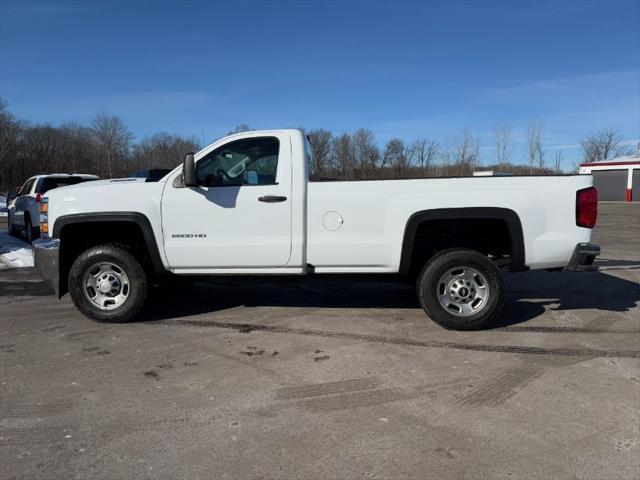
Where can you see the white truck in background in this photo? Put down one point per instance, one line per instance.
(244, 205)
(23, 207)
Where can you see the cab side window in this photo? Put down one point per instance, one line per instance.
(251, 161)
(26, 188)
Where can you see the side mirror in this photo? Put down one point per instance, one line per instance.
(12, 194)
(189, 171)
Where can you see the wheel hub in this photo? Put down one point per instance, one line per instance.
(106, 285)
(463, 291)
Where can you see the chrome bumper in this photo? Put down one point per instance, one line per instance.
(582, 259)
(46, 257)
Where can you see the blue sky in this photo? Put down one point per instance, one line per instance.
(405, 69)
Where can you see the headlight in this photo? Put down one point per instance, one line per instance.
(44, 216)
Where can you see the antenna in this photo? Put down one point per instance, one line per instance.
(202, 138)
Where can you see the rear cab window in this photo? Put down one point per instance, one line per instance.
(311, 164)
(49, 183)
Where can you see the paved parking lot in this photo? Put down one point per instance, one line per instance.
(327, 379)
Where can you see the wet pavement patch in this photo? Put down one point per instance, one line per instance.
(152, 374)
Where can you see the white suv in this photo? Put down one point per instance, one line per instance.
(24, 208)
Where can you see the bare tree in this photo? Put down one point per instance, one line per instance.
(243, 127)
(41, 149)
(396, 155)
(466, 152)
(446, 154)
(557, 161)
(367, 154)
(321, 144)
(78, 149)
(11, 130)
(502, 139)
(535, 149)
(344, 156)
(162, 150)
(604, 144)
(113, 138)
(423, 153)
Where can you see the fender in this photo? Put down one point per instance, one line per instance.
(509, 216)
(133, 217)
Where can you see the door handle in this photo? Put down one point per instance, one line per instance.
(272, 199)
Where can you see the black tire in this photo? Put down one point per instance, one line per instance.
(12, 230)
(432, 290)
(30, 231)
(137, 283)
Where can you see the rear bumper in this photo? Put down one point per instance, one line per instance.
(582, 259)
(46, 257)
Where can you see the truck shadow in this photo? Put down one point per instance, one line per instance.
(530, 294)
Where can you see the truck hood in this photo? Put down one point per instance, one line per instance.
(107, 197)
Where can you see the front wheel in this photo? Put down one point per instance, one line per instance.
(107, 283)
(461, 289)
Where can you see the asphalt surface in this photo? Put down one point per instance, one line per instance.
(329, 379)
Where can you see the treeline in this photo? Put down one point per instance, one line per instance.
(106, 148)
(357, 157)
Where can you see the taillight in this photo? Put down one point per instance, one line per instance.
(587, 207)
(38, 197)
(44, 216)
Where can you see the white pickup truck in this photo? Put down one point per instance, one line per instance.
(245, 206)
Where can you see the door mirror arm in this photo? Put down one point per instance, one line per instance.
(189, 171)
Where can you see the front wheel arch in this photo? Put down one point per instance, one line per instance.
(78, 232)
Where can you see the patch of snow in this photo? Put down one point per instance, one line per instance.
(14, 253)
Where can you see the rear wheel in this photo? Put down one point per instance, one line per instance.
(461, 289)
(107, 283)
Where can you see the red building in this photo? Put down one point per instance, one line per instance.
(615, 178)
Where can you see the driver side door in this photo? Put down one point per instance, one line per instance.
(239, 215)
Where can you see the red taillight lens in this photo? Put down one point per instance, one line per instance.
(587, 207)
(38, 197)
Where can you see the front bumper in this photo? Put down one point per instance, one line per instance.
(582, 259)
(46, 257)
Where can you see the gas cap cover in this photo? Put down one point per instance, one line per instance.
(332, 221)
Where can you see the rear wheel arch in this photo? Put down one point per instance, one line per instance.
(501, 216)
